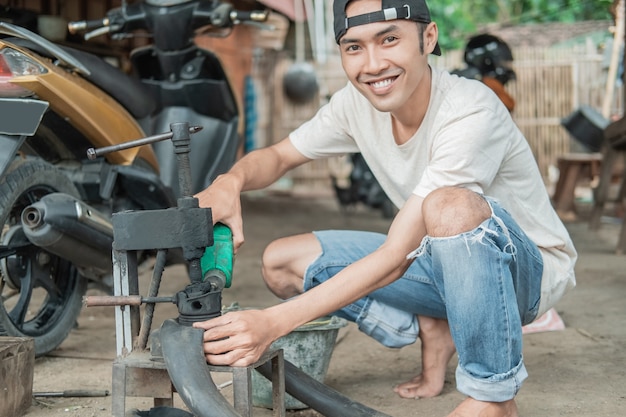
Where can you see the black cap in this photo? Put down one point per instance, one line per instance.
(415, 10)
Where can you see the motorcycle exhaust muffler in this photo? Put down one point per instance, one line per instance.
(70, 229)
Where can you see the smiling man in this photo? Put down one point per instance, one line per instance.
(475, 251)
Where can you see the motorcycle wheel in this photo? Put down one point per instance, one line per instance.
(40, 293)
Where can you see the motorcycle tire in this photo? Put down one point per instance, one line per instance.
(41, 294)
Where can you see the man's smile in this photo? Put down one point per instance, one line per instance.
(382, 83)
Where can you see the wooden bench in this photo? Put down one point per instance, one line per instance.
(614, 152)
(573, 168)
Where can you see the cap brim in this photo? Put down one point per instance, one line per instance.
(437, 50)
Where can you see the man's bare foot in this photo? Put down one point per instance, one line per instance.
(437, 350)
(474, 408)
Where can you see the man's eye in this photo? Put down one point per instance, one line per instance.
(352, 48)
(390, 39)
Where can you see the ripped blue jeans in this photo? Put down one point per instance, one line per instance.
(485, 282)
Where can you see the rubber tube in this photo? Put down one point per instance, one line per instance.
(318, 396)
(186, 365)
(187, 368)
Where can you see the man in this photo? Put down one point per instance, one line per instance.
(475, 251)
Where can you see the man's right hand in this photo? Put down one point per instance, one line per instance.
(223, 196)
(256, 170)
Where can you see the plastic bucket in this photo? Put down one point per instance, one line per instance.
(309, 347)
(587, 126)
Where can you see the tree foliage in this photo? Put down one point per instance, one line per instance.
(458, 20)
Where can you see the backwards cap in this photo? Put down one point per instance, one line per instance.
(415, 10)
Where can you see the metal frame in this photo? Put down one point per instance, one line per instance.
(137, 373)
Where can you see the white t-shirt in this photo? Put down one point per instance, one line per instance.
(467, 139)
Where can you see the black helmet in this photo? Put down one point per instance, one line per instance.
(468, 72)
(491, 56)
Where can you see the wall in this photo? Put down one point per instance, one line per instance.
(550, 85)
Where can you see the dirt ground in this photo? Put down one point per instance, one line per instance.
(579, 371)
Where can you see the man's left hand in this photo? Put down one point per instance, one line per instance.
(237, 338)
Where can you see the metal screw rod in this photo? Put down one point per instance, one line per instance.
(93, 153)
(123, 300)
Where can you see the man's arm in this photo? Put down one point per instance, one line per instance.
(240, 338)
(257, 170)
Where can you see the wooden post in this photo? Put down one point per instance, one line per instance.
(618, 39)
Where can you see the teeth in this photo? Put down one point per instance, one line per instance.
(383, 83)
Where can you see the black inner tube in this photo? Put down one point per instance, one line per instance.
(318, 396)
(186, 365)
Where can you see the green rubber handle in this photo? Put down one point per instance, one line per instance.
(219, 258)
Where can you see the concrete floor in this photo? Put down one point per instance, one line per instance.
(578, 371)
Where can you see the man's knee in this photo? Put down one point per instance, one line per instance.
(284, 263)
(273, 263)
(271, 259)
(449, 211)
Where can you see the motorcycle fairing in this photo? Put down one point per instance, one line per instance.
(200, 84)
(131, 93)
(92, 112)
(192, 87)
(217, 141)
(51, 49)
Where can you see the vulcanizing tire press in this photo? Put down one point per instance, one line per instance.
(176, 357)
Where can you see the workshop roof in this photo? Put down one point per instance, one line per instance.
(548, 34)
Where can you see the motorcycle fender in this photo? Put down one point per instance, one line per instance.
(8, 148)
(19, 118)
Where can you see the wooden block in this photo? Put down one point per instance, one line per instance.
(17, 368)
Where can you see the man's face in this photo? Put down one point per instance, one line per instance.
(383, 59)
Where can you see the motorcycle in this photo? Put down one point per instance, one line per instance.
(489, 59)
(353, 182)
(56, 103)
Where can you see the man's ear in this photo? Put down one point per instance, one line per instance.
(431, 35)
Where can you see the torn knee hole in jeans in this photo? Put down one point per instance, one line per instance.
(472, 237)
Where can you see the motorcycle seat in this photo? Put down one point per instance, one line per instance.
(128, 91)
